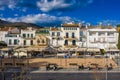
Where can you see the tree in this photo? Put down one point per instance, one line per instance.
(102, 51)
(3, 44)
(118, 45)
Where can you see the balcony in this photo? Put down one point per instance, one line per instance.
(28, 38)
(70, 38)
(56, 46)
(56, 37)
(98, 41)
(111, 41)
(70, 46)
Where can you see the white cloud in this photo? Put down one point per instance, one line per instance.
(43, 5)
(109, 22)
(40, 18)
(15, 14)
(9, 3)
(55, 4)
(24, 9)
(46, 5)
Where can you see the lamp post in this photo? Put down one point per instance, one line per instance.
(106, 67)
(118, 60)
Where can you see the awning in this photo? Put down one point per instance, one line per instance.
(5, 49)
(81, 49)
(93, 50)
(113, 50)
(50, 49)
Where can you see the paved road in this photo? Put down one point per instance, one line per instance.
(65, 75)
(69, 76)
(75, 76)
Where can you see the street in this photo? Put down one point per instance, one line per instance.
(75, 76)
(62, 75)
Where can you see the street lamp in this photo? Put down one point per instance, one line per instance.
(106, 67)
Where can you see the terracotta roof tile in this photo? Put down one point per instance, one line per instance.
(55, 29)
(70, 25)
(4, 29)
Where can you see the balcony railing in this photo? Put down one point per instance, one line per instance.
(71, 38)
(98, 41)
(70, 46)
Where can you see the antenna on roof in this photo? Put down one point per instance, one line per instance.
(80, 24)
(100, 24)
(108, 24)
(88, 24)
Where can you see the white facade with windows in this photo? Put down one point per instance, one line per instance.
(56, 37)
(3, 35)
(93, 37)
(13, 37)
(102, 38)
(13, 40)
(70, 32)
(67, 36)
(27, 37)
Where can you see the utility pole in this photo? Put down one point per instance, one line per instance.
(3, 70)
(106, 68)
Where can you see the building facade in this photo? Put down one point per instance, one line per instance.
(3, 33)
(70, 32)
(13, 37)
(104, 37)
(28, 37)
(56, 37)
(69, 35)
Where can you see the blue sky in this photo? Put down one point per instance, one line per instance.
(55, 12)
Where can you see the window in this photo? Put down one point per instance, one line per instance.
(24, 35)
(58, 33)
(73, 42)
(67, 35)
(53, 33)
(76, 28)
(64, 28)
(73, 35)
(28, 35)
(110, 34)
(15, 42)
(101, 33)
(81, 33)
(43, 41)
(66, 42)
(31, 35)
(81, 39)
(24, 42)
(38, 41)
(31, 42)
(92, 33)
(10, 41)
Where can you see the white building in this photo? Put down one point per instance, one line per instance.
(102, 37)
(27, 37)
(3, 33)
(56, 37)
(70, 32)
(13, 37)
